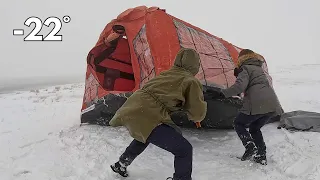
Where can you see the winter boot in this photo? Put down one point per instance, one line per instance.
(171, 178)
(251, 150)
(260, 158)
(119, 168)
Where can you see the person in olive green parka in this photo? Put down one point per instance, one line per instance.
(146, 114)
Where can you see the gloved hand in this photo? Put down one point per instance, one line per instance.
(198, 124)
(237, 71)
(215, 94)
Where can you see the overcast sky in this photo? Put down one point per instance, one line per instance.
(284, 31)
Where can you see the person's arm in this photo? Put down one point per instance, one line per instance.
(194, 105)
(239, 86)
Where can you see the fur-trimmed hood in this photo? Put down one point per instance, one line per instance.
(255, 59)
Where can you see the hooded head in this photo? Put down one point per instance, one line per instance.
(188, 59)
(247, 56)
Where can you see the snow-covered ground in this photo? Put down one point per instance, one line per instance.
(41, 139)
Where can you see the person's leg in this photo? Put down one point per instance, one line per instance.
(169, 139)
(132, 151)
(240, 124)
(256, 134)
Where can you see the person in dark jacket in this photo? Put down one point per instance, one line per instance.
(260, 103)
(146, 114)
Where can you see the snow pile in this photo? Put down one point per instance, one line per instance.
(41, 139)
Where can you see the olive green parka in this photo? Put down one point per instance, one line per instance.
(170, 91)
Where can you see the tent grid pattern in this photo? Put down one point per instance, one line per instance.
(145, 59)
(91, 93)
(214, 56)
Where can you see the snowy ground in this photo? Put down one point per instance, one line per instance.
(41, 140)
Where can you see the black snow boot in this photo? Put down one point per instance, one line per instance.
(251, 150)
(120, 169)
(171, 178)
(260, 158)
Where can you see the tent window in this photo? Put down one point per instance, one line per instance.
(91, 90)
(145, 59)
(216, 62)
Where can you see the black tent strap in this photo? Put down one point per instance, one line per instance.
(105, 54)
(118, 60)
(115, 72)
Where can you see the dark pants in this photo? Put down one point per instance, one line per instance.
(168, 139)
(254, 123)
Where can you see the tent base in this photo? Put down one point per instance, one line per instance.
(220, 115)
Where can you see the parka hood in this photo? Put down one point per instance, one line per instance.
(188, 59)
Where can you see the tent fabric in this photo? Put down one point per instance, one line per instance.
(152, 40)
(300, 121)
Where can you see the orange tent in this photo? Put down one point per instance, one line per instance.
(152, 39)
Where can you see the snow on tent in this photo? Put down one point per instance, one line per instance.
(152, 39)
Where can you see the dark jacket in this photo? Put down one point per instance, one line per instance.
(170, 91)
(260, 97)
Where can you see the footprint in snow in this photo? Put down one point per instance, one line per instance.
(22, 172)
(33, 143)
(5, 132)
(195, 139)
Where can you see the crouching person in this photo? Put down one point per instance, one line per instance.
(146, 114)
(260, 104)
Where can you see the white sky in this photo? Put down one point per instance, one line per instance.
(284, 31)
